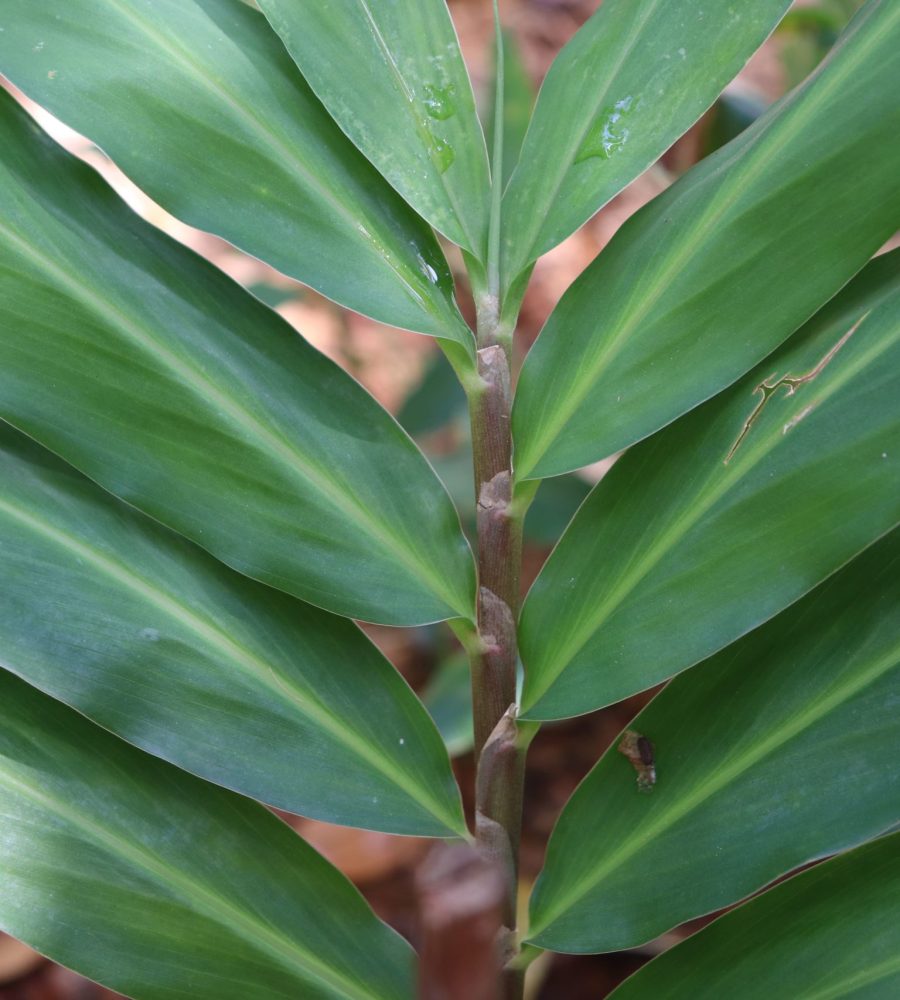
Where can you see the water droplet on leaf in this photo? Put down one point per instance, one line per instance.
(430, 273)
(442, 154)
(438, 101)
(609, 132)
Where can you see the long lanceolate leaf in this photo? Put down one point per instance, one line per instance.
(714, 274)
(777, 751)
(393, 77)
(152, 638)
(723, 519)
(199, 103)
(828, 934)
(629, 83)
(162, 886)
(164, 381)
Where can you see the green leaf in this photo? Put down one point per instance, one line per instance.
(165, 382)
(448, 698)
(160, 885)
(152, 638)
(777, 751)
(553, 508)
(630, 82)
(518, 102)
(394, 79)
(197, 101)
(723, 519)
(435, 401)
(826, 934)
(711, 276)
(733, 112)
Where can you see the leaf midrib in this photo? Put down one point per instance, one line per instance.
(194, 893)
(702, 225)
(272, 443)
(709, 785)
(693, 512)
(310, 706)
(843, 987)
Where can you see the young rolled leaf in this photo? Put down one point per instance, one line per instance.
(197, 101)
(394, 79)
(160, 885)
(630, 82)
(775, 752)
(825, 934)
(723, 519)
(711, 276)
(165, 382)
(518, 102)
(152, 638)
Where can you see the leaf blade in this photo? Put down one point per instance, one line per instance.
(711, 276)
(156, 641)
(86, 833)
(274, 168)
(823, 934)
(394, 79)
(657, 75)
(185, 396)
(769, 755)
(699, 544)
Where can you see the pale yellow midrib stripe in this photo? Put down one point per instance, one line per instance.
(215, 907)
(704, 223)
(206, 389)
(719, 779)
(869, 975)
(259, 669)
(742, 466)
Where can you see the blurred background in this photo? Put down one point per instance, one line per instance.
(409, 376)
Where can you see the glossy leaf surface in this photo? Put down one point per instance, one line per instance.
(630, 82)
(711, 276)
(165, 382)
(826, 934)
(197, 101)
(723, 519)
(160, 885)
(394, 79)
(148, 635)
(777, 751)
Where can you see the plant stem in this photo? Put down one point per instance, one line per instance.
(499, 745)
(499, 545)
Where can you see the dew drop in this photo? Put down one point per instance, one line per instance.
(438, 101)
(150, 634)
(431, 274)
(442, 154)
(608, 134)
(38, 47)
